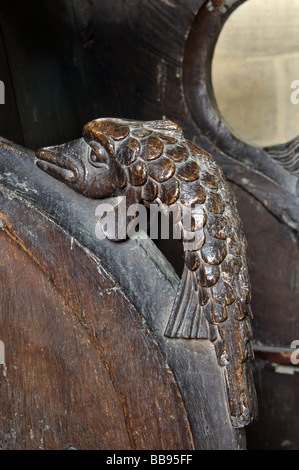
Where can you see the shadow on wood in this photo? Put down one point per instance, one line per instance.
(85, 351)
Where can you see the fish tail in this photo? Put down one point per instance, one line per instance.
(195, 315)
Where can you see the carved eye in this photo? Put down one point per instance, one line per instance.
(97, 156)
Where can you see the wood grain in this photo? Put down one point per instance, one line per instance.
(125, 371)
(135, 59)
(56, 392)
(194, 366)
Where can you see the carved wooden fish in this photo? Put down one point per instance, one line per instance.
(153, 162)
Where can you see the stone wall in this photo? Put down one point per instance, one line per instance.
(256, 59)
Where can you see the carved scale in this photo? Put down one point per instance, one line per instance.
(152, 162)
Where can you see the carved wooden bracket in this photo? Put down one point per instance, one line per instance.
(165, 76)
(152, 162)
(55, 226)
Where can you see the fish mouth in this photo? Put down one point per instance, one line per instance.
(59, 172)
(57, 161)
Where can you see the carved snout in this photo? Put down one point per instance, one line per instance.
(63, 161)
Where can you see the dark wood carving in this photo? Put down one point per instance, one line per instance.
(70, 343)
(83, 290)
(151, 162)
(150, 60)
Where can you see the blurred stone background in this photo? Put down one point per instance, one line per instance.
(252, 82)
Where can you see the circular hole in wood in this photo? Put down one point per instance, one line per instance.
(255, 65)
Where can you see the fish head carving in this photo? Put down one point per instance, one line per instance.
(111, 153)
(151, 162)
(88, 165)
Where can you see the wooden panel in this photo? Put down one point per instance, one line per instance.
(138, 267)
(274, 262)
(154, 415)
(55, 391)
(10, 126)
(126, 65)
(130, 48)
(278, 426)
(41, 43)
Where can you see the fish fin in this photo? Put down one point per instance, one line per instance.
(195, 315)
(187, 319)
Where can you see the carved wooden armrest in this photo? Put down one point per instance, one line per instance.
(202, 333)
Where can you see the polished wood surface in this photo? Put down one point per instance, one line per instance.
(148, 60)
(167, 394)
